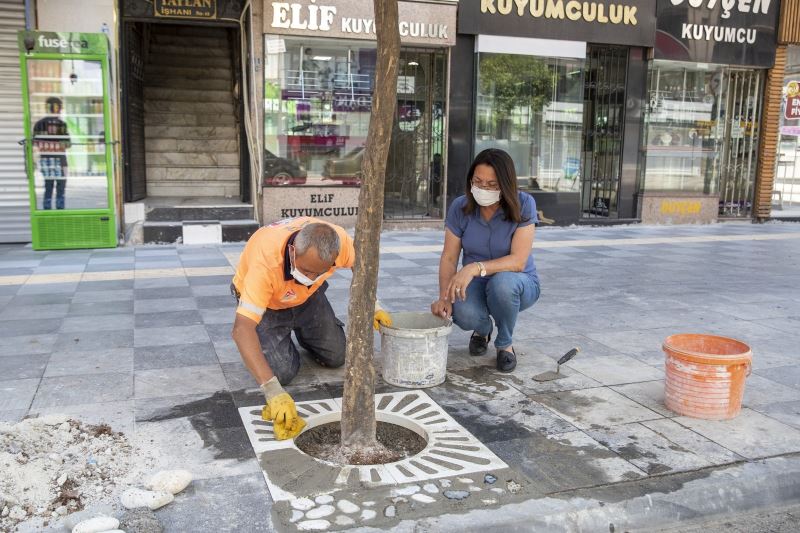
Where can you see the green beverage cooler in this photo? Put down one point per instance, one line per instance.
(68, 139)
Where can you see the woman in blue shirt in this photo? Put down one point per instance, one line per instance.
(493, 224)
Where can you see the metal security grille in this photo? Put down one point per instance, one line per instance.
(135, 165)
(14, 200)
(415, 167)
(740, 149)
(604, 119)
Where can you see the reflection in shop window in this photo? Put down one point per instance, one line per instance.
(317, 103)
(684, 127)
(532, 107)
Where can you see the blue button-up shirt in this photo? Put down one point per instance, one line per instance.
(483, 240)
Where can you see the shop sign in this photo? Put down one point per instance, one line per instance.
(792, 91)
(627, 22)
(202, 9)
(726, 32)
(339, 204)
(62, 43)
(421, 23)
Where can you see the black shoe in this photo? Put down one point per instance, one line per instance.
(506, 361)
(478, 343)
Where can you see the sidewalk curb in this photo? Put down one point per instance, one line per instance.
(637, 506)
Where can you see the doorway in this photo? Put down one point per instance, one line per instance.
(603, 130)
(415, 167)
(182, 115)
(740, 148)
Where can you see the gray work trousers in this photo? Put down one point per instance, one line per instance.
(317, 330)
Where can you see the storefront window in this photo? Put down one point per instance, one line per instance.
(684, 127)
(786, 192)
(317, 102)
(532, 107)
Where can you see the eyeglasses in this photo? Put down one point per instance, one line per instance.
(486, 186)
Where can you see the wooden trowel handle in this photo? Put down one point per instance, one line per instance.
(569, 355)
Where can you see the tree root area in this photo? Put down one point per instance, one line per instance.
(393, 444)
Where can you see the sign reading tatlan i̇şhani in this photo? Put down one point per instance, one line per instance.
(206, 9)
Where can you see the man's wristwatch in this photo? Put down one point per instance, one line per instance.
(483, 268)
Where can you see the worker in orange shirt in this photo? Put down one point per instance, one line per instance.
(280, 285)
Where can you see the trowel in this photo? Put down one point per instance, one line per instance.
(550, 375)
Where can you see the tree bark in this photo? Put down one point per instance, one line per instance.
(358, 404)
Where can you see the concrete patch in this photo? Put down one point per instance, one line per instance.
(591, 408)
(615, 369)
(648, 393)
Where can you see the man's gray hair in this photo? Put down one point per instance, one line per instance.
(320, 236)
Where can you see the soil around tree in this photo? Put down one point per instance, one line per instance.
(394, 444)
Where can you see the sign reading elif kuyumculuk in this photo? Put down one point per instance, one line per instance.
(420, 22)
(726, 32)
(626, 22)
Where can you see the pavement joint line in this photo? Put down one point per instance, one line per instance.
(613, 242)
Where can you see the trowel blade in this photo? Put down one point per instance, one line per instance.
(548, 376)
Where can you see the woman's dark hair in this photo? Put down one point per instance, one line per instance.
(503, 167)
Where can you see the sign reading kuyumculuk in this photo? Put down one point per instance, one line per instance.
(626, 22)
(420, 22)
(727, 32)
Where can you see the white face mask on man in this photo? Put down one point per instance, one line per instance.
(485, 198)
(300, 277)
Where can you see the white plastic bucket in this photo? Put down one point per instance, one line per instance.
(414, 349)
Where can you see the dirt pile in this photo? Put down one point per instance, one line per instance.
(53, 466)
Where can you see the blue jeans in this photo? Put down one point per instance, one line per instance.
(501, 296)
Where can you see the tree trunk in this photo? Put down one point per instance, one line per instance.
(358, 404)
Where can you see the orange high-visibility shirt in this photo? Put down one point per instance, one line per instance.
(263, 276)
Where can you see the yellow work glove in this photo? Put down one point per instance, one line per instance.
(381, 318)
(280, 409)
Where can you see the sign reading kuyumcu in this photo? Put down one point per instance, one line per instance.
(630, 22)
(728, 32)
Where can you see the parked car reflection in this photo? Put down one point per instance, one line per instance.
(346, 169)
(281, 171)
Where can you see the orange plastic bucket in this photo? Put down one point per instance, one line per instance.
(705, 375)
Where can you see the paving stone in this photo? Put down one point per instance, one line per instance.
(74, 390)
(179, 381)
(105, 285)
(169, 318)
(786, 412)
(195, 281)
(224, 315)
(99, 361)
(759, 390)
(214, 290)
(565, 461)
(27, 344)
(170, 335)
(23, 366)
(694, 442)
(161, 305)
(152, 283)
(599, 407)
(648, 393)
(474, 385)
(117, 414)
(172, 356)
(234, 502)
(31, 326)
(785, 375)
(615, 369)
(17, 393)
(101, 308)
(745, 434)
(162, 293)
(103, 296)
(48, 288)
(93, 340)
(36, 312)
(109, 322)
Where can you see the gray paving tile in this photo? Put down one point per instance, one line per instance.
(41, 312)
(745, 434)
(615, 369)
(225, 315)
(112, 295)
(105, 285)
(565, 461)
(93, 340)
(648, 393)
(163, 305)
(162, 293)
(121, 307)
(27, 344)
(22, 366)
(759, 390)
(17, 393)
(13, 416)
(694, 442)
(785, 375)
(198, 281)
(206, 506)
(162, 382)
(74, 390)
(98, 361)
(786, 412)
(171, 318)
(9, 290)
(40, 299)
(180, 355)
(31, 326)
(474, 384)
(170, 335)
(108, 322)
(215, 302)
(226, 350)
(47, 288)
(594, 408)
(213, 290)
(152, 283)
(238, 377)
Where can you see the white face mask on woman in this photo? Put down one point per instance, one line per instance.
(485, 198)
